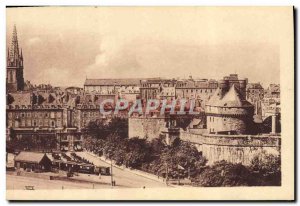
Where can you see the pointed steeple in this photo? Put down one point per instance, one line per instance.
(14, 48)
(15, 77)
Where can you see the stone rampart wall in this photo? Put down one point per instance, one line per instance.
(233, 148)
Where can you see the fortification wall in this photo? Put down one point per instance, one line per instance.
(233, 148)
(146, 127)
(221, 124)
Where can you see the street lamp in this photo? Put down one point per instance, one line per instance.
(111, 175)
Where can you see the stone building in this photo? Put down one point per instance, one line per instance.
(226, 83)
(110, 86)
(254, 92)
(201, 90)
(230, 113)
(41, 117)
(150, 88)
(14, 66)
(273, 91)
(167, 89)
(270, 104)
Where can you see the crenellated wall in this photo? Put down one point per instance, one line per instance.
(233, 148)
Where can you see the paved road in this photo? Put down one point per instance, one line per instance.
(123, 177)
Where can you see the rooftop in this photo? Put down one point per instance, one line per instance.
(33, 157)
(108, 82)
(233, 98)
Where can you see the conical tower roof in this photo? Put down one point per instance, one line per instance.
(233, 98)
(215, 98)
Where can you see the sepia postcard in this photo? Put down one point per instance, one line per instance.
(149, 103)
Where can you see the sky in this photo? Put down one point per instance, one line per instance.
(65, 45)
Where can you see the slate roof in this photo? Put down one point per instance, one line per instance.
(254, 86)
(106, 82)
(33, 157)
(233, 98)
(215, 98)
(21, 98)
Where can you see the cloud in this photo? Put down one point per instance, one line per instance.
(34, 41)
(152, 58)
(57, 77)
(113, 59)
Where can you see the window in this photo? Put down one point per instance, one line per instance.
(46, 122)
(58, 123)
(28, 123)
(11, 76)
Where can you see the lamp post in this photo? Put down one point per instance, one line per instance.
(167, 171)
(111, 170)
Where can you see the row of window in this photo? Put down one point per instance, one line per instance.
(90, 114)
(35, 114)
(198, 90)
(35, 123)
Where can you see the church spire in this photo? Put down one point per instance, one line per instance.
(15, 77)
(14, 48)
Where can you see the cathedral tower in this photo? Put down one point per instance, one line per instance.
(14, 73)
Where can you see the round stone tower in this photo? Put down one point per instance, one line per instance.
(229, 114)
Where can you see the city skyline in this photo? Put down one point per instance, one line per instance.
(102, 50)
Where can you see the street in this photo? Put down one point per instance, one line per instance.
(123, 177)
(19, 182)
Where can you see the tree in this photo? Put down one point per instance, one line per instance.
(137, 152)
(180, 160)
(267, 169)
(224, 174)
(119, 126)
